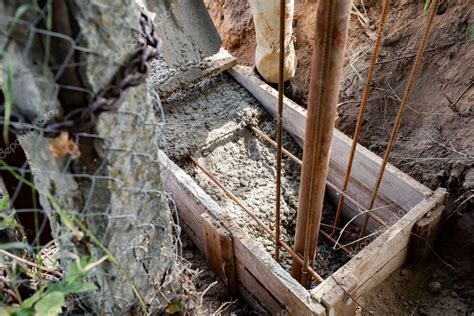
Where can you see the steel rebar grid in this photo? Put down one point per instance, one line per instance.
(363, 106)
(259, 223)
(328, 183)
(331, 29)
(403, 106)
(279, 131)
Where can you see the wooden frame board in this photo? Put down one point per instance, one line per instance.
(262, 278)
(398, 193)
(244, 265)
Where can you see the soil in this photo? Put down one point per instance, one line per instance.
(436, 140)
(215, 299)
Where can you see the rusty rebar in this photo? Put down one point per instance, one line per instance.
(259, 223)
(279, 135)
(331, 29)
(363, 106)
(298, 161)
(403, 106)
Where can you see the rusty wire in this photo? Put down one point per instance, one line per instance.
(363, 106)
(259, 223)
(298, 161)
(295, 159)
(403, 105)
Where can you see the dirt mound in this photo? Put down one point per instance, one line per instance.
(436, 140)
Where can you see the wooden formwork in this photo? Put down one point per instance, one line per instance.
(246, 268)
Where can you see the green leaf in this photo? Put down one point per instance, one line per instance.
(22, 10)
(15, 245)
(471, 32)
(426, 7)
(73, 288)
(77, 270)
(50, 305)
(49, 27)
(174, 307)
(29, 302)
(4, 202)
(8, 221)
(8, 94)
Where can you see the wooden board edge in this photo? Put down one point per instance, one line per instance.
(259, 295)
(219, 251)
(194, 202)
(209, 67)
(375, 262)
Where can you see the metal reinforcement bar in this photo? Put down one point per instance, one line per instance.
(279, 130)
(331, 29)
(363, 106)
(403, 106)
(259, 223)
(298, 161)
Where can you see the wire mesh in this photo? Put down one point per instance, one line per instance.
(95, 193)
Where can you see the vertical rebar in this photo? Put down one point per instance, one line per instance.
(403, 106)
(363, 106)
(279, 135)
(332, 24)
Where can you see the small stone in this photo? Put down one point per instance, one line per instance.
(188, 255)
(404, 272)
(434, 287)
(454, 294)
(441, 175)
(422, 311)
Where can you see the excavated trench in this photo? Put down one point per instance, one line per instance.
(210, 121)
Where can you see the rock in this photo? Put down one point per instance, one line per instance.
(422, 311)
(404, 272)
(188, 255)
(441, 174)
(469, 180)
(454, 294)
(455, 175)
(434, 287)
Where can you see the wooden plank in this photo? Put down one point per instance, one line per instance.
(386, 210)
(255, 292)
(219, 251)
(192, 202)
(210, 66)
(275, 279)
(424, 235)
(396, 186)
(376, 261)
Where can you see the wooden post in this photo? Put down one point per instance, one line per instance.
(219, 251)
(332, 24)
(423, 235)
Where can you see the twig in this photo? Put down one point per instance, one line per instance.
(413, 55)
(205, 291)
(458, 207)
(417, 305)
(31, 264)
(223, 307)
(452, 105)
